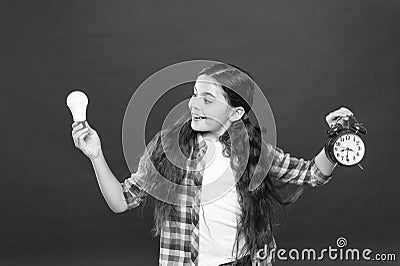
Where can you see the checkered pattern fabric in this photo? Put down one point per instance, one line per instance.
(179, 240)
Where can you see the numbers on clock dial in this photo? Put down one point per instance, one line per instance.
(349, 149)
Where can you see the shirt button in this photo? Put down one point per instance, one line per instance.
(195, 218)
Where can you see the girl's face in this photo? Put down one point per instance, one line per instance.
(211, 113)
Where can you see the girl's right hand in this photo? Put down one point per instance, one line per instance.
(86, 139)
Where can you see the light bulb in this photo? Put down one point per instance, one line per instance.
(77, 102)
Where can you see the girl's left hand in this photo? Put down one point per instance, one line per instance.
(340, 116)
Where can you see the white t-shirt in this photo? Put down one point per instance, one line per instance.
(219, 209)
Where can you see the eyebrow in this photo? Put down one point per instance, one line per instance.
(206, 93)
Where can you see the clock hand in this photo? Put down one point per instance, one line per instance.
(348, 149)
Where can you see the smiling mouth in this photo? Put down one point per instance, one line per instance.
(197, 118)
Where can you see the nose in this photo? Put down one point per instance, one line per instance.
(194, 103)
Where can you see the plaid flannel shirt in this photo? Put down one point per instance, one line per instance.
(179, 238)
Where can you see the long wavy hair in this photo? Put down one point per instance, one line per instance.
(242, 142)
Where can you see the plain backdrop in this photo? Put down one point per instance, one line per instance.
(309, 58)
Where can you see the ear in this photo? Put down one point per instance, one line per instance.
(236, 113)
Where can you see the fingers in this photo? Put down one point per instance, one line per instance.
(76, 126)
(339, 116)
(82, 135)
(79, 131)
(87, 125)
(343, 111)
(78, 135)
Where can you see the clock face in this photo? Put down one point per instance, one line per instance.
(349, 149)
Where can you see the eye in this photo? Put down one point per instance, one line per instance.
(206, 100)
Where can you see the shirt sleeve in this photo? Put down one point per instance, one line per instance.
(298, 171)
(132, 187)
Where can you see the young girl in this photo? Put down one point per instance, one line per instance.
(218, 220)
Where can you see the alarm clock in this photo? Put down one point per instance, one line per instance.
(344, 145)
